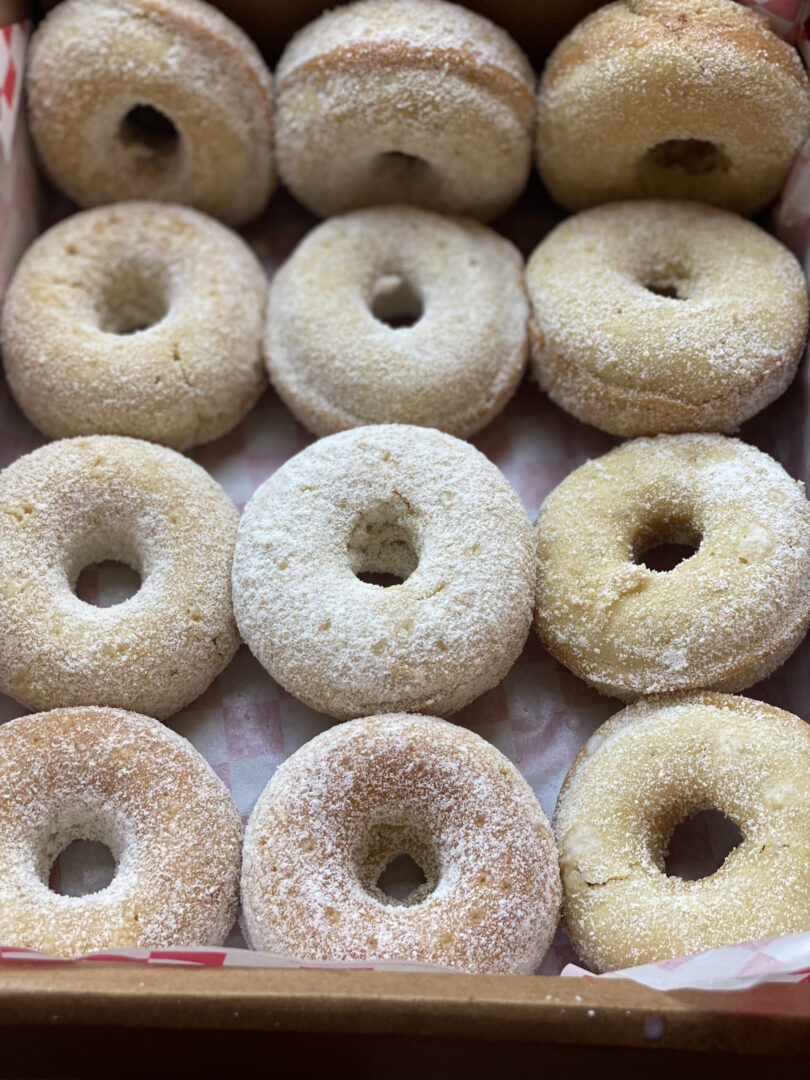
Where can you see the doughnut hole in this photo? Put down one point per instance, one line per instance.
(664, 544)
(134, 298)
(397, 864)
(382, 544)
(666, 278)
(699, 844)
(693, 157)
(396, 170)
(104, 569)
(149, 135)
(396, 302)
(79, 855)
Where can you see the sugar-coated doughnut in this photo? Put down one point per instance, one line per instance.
(341, 810)
(136, 319)
(647, 769)
(152, 99)
(685, 99)
(396, 314)
(390, 499)
(663, 316)
(722, 619)
(79, 501)
(404, 101)
(128, 782)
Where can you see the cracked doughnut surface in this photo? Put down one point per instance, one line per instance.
(130, 783)
(136, 319)
(79, 501)
(683, 99)
(338, 357)
(392, 499)
(157, 99)
(341, 809)
(664, 316)
(404, 101)
(723, 618)
(643, 772)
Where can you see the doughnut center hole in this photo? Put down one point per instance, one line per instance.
(700, 844)
(401, 172)
(395, 302)
(663, 546)
(667, 289)
(382, 544)
(107, 583)
(149, 133)
(135, 298)
(694, 157)
(81, 868)
(398, 865)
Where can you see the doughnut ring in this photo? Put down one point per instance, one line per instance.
(79, 501)
(341, 810)
(136, 319)
(404, 101)
(363, 323)
(719, 106)
(396, 500)
(722, 619)
(152, 99)
(698, 320)
(644, 771)
(126, 781)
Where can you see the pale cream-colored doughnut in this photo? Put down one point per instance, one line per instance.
(664, 316)
(152, 99)
(336, 353)
(341, 810)
(722, 619)
(79, 501)
(404, 101)
(685, 99)
(388, 499)
(136, 319)
(647, 769)
(130, 783)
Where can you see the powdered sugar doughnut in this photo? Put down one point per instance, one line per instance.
(389, 499)
(725, 617)
(644, 771)
(694, 99)
(336, 354)
(664, 316)
(79, 501)
(126, 781)
(404, 101)
(350, 801)
(136, 319)
(152, 99)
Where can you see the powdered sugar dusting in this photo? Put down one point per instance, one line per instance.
(384, 499)
(350, 800)
(655, 764)
(75, 502)
(723, 618)
(124, 780)
(338, 366)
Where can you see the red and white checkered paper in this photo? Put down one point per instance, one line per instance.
(540, 715)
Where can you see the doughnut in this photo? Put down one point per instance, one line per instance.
(155, 99)
(684, 99)
(126, 781)
(80, 501)
(398, 315)
(643, 772)
(664, 316)
(721, 619)
(404, 101)
(408, 502)
(339, 811)
(136, 319)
